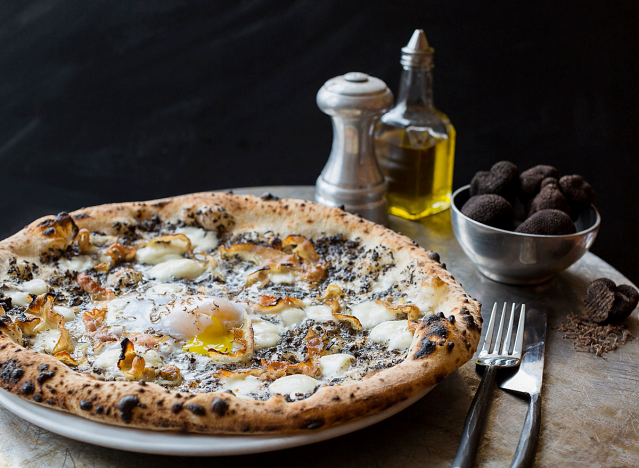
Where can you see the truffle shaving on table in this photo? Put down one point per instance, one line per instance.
(222, 313)
(591, 337)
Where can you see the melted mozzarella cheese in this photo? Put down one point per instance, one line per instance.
(335, 365)
(46, 340)
(178, 268)
(297, 384)
(169, 346)
(160, 252)
(265, 334)
(370, 313)
(243, 387)
(109, 358)
(78, 264)
(292, 316)
(151, 358)
(66, 312)
(395, 334)
(201, 240)
(167, 289)
(282, 278)
(117, 305)
(36, 286)
(18, 297)
(320, 313)
(99, 239)
(386, 281)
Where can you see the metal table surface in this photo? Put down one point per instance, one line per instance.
(590, 408)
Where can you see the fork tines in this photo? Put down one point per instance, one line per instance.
(488, 349)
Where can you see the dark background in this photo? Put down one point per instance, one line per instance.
(108, 101)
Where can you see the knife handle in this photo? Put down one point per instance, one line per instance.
(472, 427)
(525, 453)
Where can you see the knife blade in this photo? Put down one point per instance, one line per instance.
(528, 380)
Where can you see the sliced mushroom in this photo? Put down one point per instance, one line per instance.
(274, 305)
(411, 310)
(10, 329)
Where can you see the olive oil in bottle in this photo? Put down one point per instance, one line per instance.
(415, 143)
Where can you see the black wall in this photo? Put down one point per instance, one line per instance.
(107, 101)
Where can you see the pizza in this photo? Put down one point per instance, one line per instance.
(226, 314)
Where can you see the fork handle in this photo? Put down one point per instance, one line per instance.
(525, 453)
(472, 427)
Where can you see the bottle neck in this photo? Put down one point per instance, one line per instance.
(416, 88)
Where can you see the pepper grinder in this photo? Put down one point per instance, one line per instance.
(352, 176)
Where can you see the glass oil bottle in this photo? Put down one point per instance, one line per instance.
(415, 143)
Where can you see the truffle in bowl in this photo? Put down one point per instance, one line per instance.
(518, 257)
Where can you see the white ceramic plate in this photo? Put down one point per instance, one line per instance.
(175, 443)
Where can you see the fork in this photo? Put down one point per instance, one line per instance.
(492, 360)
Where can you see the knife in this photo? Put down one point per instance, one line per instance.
(528, 380)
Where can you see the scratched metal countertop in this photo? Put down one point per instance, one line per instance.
(590, 406)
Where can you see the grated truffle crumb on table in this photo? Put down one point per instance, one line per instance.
(591, 337)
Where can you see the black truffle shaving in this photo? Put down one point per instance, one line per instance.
(600, 296)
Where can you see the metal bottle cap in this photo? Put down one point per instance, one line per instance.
(417, 52)
(352, 176)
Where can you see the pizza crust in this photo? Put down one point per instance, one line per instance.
(442, 342)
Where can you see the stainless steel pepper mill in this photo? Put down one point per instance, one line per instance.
(352, 176)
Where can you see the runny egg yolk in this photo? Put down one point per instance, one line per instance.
(214, 337)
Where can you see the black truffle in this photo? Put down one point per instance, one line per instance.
(548, 223)
(503, 180)
(530, 180)
(577, 190)
(549, 181)
(600, 296)
(549, 198)
(626, 299)
(608, 303)
(489, 209)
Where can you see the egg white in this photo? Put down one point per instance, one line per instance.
(167, 309)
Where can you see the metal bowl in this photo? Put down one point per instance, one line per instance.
(516, 258)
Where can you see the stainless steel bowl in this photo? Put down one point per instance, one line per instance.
(515, 258)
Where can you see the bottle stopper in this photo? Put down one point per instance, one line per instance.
(417, 53)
